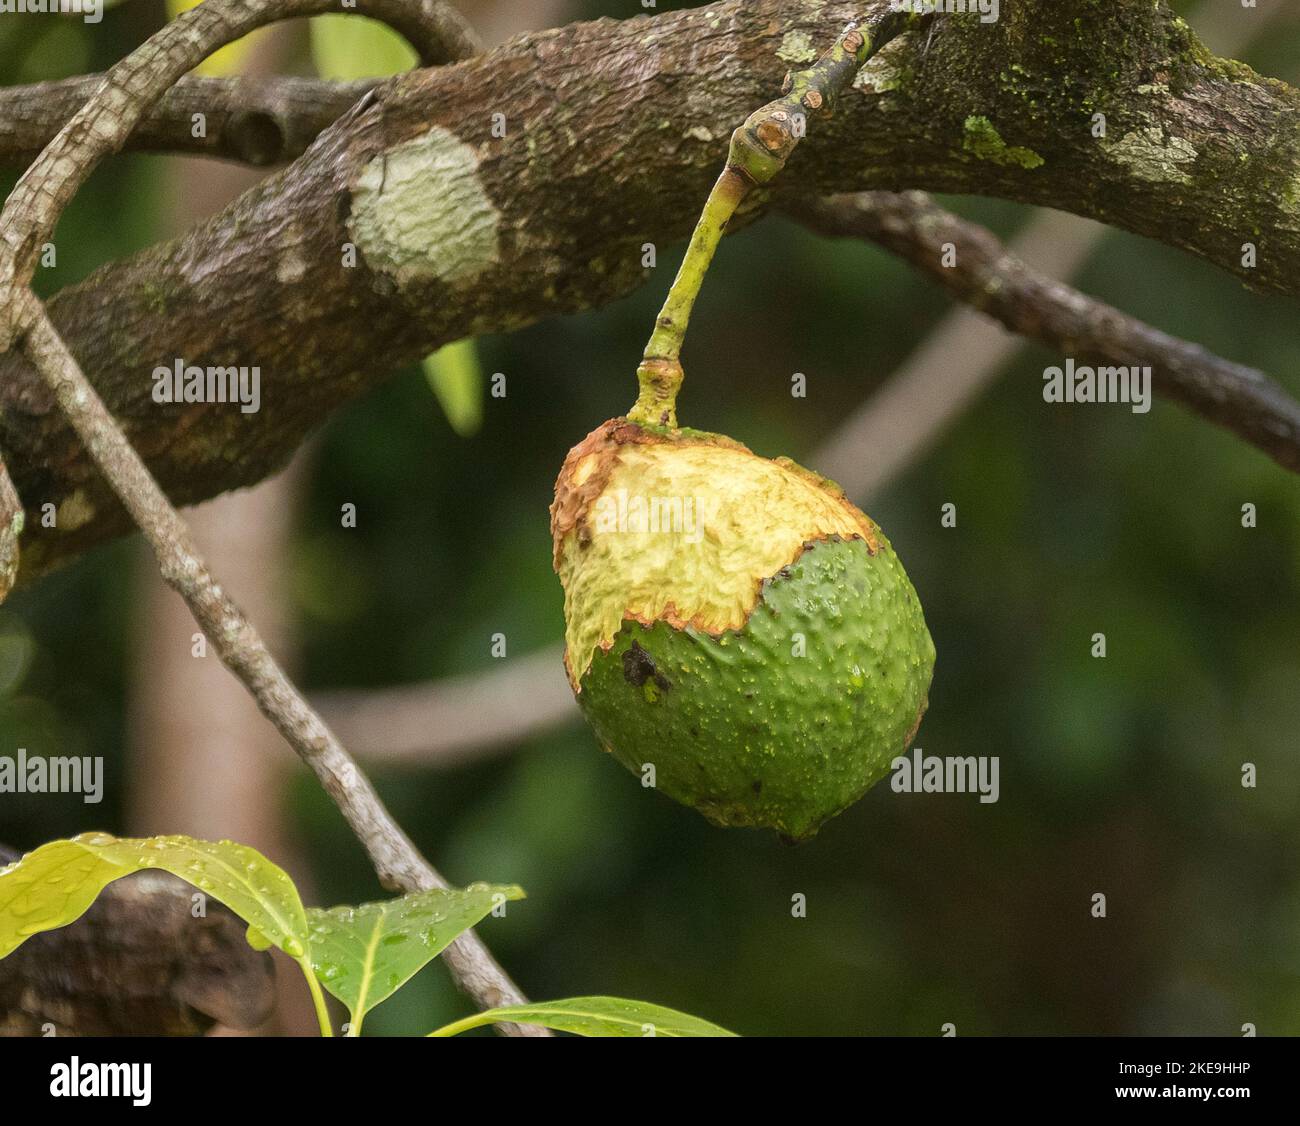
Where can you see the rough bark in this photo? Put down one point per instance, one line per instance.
(614, 132)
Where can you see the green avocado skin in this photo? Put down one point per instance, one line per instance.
(746, 730)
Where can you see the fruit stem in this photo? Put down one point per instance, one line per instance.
(660, 371)
(759, 150)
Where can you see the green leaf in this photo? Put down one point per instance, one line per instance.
(594, 1016)
(363, 955)
(454, 373)
(55, 884)
(348, 47)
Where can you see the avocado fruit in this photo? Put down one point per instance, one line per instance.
(737, 632)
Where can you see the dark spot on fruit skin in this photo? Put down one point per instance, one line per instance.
(639, 666)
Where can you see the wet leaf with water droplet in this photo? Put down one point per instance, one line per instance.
(363, 954)
(54, 885)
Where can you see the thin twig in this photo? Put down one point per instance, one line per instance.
(30, 213)
(11, 528)
(257, 120)
(927, 394)
(396, 861)
(989, 278)
(253, 119)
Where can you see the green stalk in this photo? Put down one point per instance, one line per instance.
(475, 1020)
(759, 150)
(317, 997)
(660, 372)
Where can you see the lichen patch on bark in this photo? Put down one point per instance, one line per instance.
(796, 47)
(420, 212)
(1149, 155)
(885, 71)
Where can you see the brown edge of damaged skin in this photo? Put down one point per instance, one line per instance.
(573, 502)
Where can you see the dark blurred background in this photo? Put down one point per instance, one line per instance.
(1120, 775)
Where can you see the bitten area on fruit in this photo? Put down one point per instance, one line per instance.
(680, 527)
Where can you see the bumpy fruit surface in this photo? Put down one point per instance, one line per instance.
(735, 623)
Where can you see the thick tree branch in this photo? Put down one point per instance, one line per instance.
(614, 132)
(992, 280)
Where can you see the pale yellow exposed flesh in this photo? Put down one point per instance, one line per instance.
(687, 533)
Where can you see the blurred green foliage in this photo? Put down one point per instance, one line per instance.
(1119, 775)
